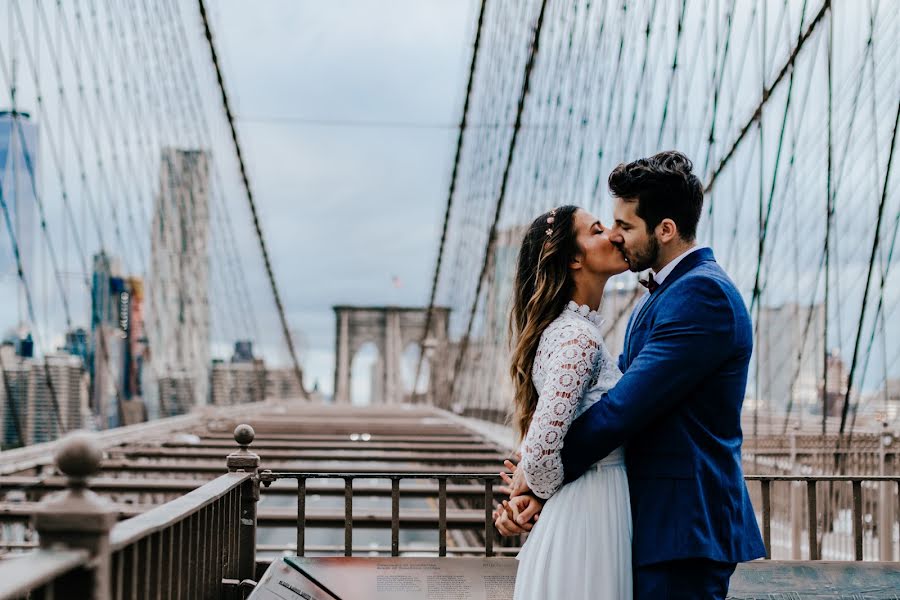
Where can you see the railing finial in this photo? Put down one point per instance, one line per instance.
(78, 457)
(244, 435)
(77, 517)
(242, 459)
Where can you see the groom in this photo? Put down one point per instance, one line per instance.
(677, 409)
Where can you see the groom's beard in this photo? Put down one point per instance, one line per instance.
(645, 257)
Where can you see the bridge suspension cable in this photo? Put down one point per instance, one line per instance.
(784, 108)
(288, 338)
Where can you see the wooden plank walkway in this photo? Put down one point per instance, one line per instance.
(802, 580)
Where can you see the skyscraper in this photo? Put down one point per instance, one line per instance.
(18, 168)
(107, 340)
(240, 381)
(789, 358)
(31, 411)
(177, 322)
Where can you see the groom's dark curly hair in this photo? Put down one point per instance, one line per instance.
(665, 188)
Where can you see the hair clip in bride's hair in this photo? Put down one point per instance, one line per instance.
(550, 221)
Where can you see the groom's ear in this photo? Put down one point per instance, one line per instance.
(666, 231)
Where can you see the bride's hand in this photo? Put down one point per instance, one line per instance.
(505, 519)
(516, 485)
(525, 508)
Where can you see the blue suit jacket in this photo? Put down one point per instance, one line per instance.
(677, 410)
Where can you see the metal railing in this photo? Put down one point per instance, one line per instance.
(825, 501)
(204, 544)
(463, 519)
(184, 548)
(200, 545)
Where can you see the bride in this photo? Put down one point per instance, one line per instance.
(581, 545)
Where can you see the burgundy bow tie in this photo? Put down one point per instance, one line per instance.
(649, 283)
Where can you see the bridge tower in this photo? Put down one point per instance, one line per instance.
(391, 329)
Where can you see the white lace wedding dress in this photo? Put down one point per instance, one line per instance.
(580, 547)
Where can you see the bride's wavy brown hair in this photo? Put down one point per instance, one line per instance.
(543, 287)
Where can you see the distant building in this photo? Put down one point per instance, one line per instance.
(41, 399)
(25, 346)
(137, 348)
(177, 327)
(789, 354)
(282, 384)
(241, 381)
(14, 394)
(487, 353)
(838, 379)
(243, 351)
(118, 348)
(78, 343)
(237, 383)
(109, 322)
(176, 394)
(885, 403)
(18, 168)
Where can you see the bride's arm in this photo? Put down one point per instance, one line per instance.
(567, 372)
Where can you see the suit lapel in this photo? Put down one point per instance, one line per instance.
(687, 263)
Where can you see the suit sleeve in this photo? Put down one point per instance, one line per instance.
(685, 345)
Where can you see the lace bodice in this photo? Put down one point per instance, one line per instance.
(572, 369)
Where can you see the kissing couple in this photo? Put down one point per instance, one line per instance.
(630, 482)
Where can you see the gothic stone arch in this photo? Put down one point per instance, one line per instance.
(391, 329)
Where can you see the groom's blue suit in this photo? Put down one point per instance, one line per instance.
(677, 410)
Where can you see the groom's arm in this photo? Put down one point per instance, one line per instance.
(682, 349)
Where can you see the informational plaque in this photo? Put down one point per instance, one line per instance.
(370, 578)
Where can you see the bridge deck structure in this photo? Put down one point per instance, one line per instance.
(199, 503)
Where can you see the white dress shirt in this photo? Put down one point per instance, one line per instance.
(665, 272)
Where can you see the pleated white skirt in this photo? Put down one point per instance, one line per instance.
(580, 548)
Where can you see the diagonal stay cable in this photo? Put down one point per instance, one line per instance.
(453, 176)
(879, 309)
(246, 182)
(767, 93)
(492, 235)
(875, 243)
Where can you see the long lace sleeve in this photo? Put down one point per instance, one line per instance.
(567, 366)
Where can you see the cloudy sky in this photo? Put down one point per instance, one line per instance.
(346, 114)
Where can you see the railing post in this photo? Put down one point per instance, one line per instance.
(78, 518)
(885, 500)
(796, 500)
(246, 461)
